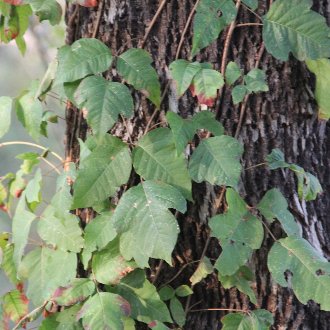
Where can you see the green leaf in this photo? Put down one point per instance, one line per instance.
(104, 311)
(15, 305)
(21, 227)
(148, 229)
(146, 305)
(30, 159)
(109, 266)
(102, 172)
(61, 229)
(240, 280)
(177, 312)
(8, 265)
(5, 114)
(32, 191)
(183, 130)
(156, 158)
(274, 206)
(103, 101)
(78, 290)
(259, 319)
(276, 160)
(166, 293)
(239, 233)
(321, 68)
(21, 14)
(233, 72)
(255, 81)
(183, 291)
(135, 67)
(290, 26)
(205, 86)
(253, 4)
(47, 80)
(308, 185)
(204, 268)
(206, 120)
(29, 112)
(208, 24)
(98, 233)
(46, 270)
(85, 56)
(238, 93)
(309, 270)
(182, 73)
(47, 10)
(216, 160)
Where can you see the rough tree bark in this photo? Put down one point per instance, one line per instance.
(285, 118)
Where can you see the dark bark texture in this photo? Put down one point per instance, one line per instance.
(284, 118)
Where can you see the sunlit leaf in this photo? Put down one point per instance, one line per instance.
(135, 67)
(148, 229)
(109, 266)
(104, 311)
(8, 265)
(78, 290)
(321, 68)
(21, 227)
(183, 291)
(32, 191)
(5, 114)
(239, 233)
(46, 270)
(204, 268)
(30, 159)
(47, 10)
(15, 305)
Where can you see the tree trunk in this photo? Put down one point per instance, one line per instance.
(283, 118)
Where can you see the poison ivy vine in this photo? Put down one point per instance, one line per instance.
(116, 245)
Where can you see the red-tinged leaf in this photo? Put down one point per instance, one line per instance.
(11, 33)
(4, 208)
(205, 86)
(88, 3)
(14, 2)
(15, 305)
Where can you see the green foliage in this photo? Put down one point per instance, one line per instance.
(204, 268)
(103, 101)
(321, 69)
(308, 185)
(135, 67)
(208, 24)
(104, 311)
(274, 206)
(156, 158)
(5, 114)
(239, 233)
(310, 271)
(147, 229)
(83, 57)
(240, 280)
(259, 319)
(216, 160)
(290, 26)
(125, 223)
(106, 168)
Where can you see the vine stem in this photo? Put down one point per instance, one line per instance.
(30, 314)
(4, 144)
(152, 23)
(220, 309)
(252, 11)
(98, 18)
(268, 230)
(249, 24)
(186, 29)
(51, 165)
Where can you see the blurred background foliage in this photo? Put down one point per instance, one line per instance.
(16, 74)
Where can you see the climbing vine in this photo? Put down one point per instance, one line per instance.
(127, 223)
